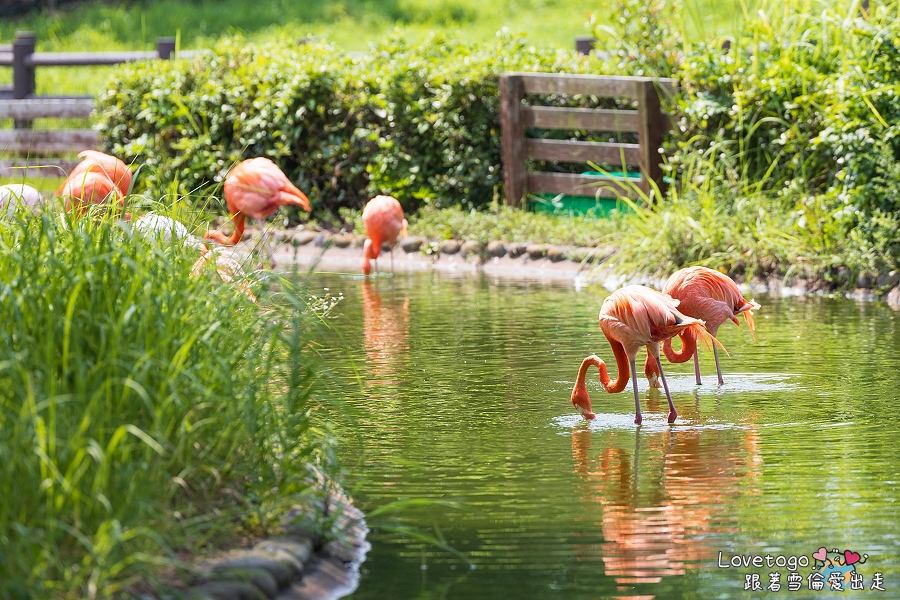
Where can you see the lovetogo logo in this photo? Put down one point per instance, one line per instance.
(836, 571)
(833, 570)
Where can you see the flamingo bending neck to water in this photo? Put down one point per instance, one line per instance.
(256, 188)
(383, 218)
(708, 295)
(631, 318)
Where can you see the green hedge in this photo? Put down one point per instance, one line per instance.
(803, 107)
(417, 121)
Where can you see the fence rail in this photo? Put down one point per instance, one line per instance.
(648, 122)
(28, 152)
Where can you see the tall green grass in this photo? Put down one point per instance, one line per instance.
(143, 413)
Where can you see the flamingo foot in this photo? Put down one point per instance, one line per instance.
(672, 416)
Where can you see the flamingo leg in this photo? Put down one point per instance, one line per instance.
(672, 413)
(718, 369)
(392, 261)
(265, 241)
(637, 398)
(697, 367)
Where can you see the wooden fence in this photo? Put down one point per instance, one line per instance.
(648, 121)
(24, 149)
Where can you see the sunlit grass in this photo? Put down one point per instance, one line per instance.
(350, 24)
(143, 413)
(507, 224)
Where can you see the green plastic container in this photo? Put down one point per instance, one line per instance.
(600, 208)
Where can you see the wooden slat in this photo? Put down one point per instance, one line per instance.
(27, 141)
(582, 185)
(85, 59)
(50, 108)
(608, 86)
(27, 168)
(589, 119)
(91, 59)
(6, 58)
(582, 152)
(6, 91)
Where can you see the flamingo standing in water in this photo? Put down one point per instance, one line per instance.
(383, 218)
(256, 188)
(631, 318)
(97, 179)
(710, 296)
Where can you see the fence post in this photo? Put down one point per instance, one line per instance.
(650, 133)
(584, 44)
(165, 47)
(512, 138)
(23, 74)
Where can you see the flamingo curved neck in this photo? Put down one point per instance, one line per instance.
(688, 347)
(622, 367)
(218, 236)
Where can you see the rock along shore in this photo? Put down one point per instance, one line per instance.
(343, 252)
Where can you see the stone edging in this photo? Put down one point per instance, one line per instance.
(291, 566)
(519, 260)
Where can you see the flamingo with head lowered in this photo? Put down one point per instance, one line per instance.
(383, 218)
(631, 318)
(98, 179)
(256, 188)
(708, 295)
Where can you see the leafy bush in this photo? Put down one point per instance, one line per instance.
(417, 121)
(142, 412)
(803, 107)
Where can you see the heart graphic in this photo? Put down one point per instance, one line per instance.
(852, 557)
(822, 554)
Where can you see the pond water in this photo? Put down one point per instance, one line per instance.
(458, 391)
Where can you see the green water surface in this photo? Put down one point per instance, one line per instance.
(458, 390)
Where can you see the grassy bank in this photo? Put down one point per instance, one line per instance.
(144, 414)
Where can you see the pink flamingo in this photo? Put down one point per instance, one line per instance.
(383, 218)
(710, 296)
(631, 318)
(256, 188)
(97, 179)
(90, 188)
(110, 166)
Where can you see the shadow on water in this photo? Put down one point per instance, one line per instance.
(466, 400)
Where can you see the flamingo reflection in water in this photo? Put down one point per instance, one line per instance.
(659, 509)
(386, 335)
